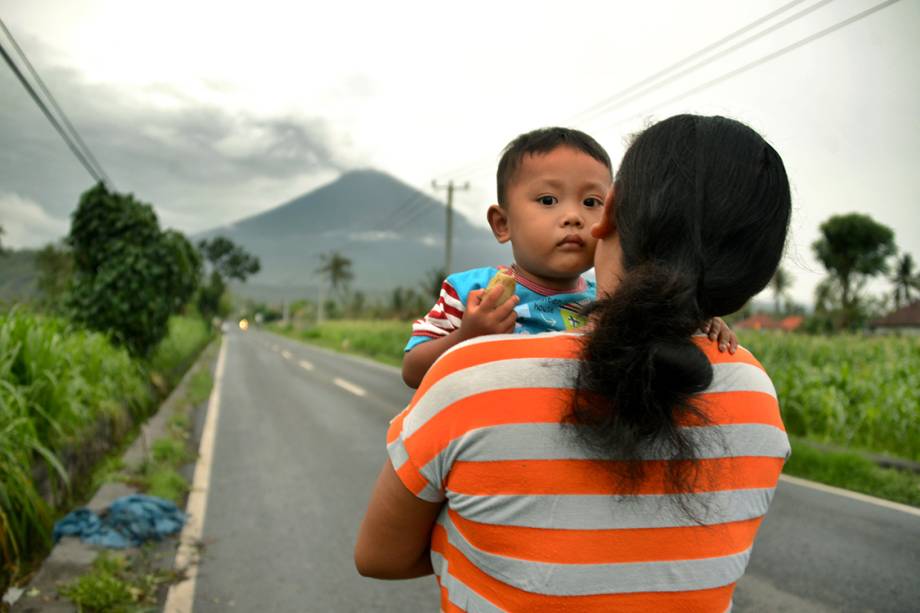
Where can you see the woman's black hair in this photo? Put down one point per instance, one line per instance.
(702, 208)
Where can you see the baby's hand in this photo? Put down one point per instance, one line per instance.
(484, 315)
(718, 329)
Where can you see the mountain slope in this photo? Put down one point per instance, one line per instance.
(392, 232)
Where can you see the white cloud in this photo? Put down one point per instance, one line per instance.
(26, 224)
(373, 236)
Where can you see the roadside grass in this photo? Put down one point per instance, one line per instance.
(129, 582)
(159, 474)
(852, 471)
(382, 340)
(119, 583)
(68, 397)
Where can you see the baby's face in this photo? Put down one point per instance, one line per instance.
(552, 202)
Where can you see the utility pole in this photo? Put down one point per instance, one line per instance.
(450, 187)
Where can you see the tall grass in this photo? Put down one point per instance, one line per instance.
(175, 353)
(57, 384)
(848, 390)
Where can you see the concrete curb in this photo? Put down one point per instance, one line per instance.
(70, 557)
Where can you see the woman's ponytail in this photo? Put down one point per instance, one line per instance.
(640, 369)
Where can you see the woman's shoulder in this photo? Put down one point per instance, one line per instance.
(740, 370)
(741, 390)
(502, 355)
(496, 347)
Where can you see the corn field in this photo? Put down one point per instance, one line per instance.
(848, 390)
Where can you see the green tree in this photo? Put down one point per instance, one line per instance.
(2, 250)
(226, 260)
(184, 267)
(55, 272)
(780, 284)
(128, 276)
(853, 248)
(905, 280)
(336, 268)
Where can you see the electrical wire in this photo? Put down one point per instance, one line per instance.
(83, 153)
(50, 117)
(57, 107)
(760, 61)
(629, 94)
(618, 101)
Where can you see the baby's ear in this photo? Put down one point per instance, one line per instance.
(498, 221)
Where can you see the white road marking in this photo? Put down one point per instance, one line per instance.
(350, 387)
(306, 365)
(181, 595)
(897, 506)
(286, 354)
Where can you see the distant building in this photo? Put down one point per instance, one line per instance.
(762, 321)
(906, 320)
(757, 322)
(791, 323)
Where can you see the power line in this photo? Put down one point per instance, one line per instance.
(420, 211)
(762, 60)
(599, 106)
(73, 132)
(606, 105)
(409, 206)
(618, 100)
(50, 117)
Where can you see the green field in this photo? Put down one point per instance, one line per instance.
(381, 340)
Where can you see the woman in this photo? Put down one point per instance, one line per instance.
(624, 468)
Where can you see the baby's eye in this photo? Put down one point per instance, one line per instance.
(547, 200)
(593, 202)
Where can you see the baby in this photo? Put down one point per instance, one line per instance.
(551, 188)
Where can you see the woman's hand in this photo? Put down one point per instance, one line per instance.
(719, 331)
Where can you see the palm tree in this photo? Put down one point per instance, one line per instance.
(905, 280)
(780, 283)
(337, 269)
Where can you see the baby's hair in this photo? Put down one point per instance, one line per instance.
(543, 141)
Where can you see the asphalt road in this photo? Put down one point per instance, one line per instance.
(300, 440)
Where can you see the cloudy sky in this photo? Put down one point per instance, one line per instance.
(215, 111)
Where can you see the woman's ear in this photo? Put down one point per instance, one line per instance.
(607, 224)
(498, 221)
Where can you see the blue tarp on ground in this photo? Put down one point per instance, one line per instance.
(130, 521)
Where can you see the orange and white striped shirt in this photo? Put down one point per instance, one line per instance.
(534, 522)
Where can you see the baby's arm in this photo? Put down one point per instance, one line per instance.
(483, 315)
